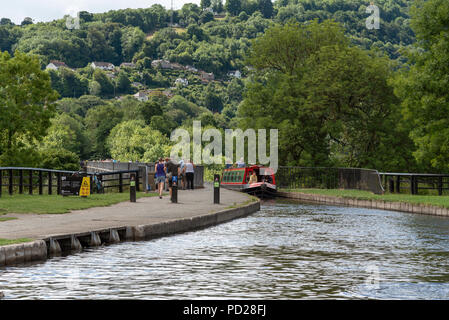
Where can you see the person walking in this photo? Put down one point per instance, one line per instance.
(182, 176)
(190, 174)
(160, 176)
(172, 170)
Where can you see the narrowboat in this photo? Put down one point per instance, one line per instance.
(239, 179)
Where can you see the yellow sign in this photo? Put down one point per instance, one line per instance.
(85, 187)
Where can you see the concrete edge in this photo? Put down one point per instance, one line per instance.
(38, 250)
(418, 208)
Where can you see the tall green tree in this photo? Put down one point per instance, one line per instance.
(265, 7)
(233, 7)
(133, 140)
(26, 101)
(205, 4)
(424, 86)
(330, 101)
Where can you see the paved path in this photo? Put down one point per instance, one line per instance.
(145, 211)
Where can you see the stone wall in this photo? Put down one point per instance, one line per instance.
(371, 204)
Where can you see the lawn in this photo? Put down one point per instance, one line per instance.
(440, 201)
(5, 242)
(54, 204)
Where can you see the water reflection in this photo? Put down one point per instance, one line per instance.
(285, 251)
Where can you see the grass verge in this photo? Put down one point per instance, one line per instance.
(5, 242)
(55, 204)
(440, 201)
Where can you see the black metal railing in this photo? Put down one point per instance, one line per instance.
(118, 180)
(18, 180)
(329, 178)
(415, 183)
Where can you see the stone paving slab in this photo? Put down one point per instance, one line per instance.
(145, 211)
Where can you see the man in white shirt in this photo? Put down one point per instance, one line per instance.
(190, 171)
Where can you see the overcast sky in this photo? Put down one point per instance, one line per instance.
(48, 10)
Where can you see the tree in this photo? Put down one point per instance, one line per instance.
(26, 100)
(423, 88)
(6, 22)
(131, 42)
(107, 88)
(99, 122)
(331, 102)
(59, 159)
(205, 4)
(217, 6)
(27, 21)
(265, 7)
(213, 102)
(132, 140)
(233, 7)
(123, 83)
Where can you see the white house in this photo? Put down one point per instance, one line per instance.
(103, 65)
(191, 68)
(141, 96)
(55, 65)
(235, 74)
(182, 81)
(164, 64)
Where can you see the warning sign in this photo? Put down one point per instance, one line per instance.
(85, 187)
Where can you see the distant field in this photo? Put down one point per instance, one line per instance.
(440, 201)
(54, 204)
(177, 30)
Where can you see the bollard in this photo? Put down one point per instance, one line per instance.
(132, 187)
(174, 189)
(217, 188)
(391, 185)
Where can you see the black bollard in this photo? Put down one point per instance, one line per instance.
(217, 188)
(132, 187)
(391, 185)
(174, 189)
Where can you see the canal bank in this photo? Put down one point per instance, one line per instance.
(146, 219)
(418, 208)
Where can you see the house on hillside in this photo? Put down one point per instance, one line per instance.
(164, 64)
(176, 66)
(206, 77)
(128, 65)
(55, 65)
(103, 65)
(191, 68)
(141, 96)
(182, 81)
(236, 74)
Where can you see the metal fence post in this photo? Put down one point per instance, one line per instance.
(50, 183)
(20, 181)
(10, 187)
(30, 185)
(41, 185)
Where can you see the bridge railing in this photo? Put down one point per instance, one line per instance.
(146, 171)
(415, 183)
(21, 180)
(329, 178)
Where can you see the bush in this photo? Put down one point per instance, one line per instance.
(59, 159)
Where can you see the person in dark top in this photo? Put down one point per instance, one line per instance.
(160, 176)
(172, 169)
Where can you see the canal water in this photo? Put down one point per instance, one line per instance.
(288, 250)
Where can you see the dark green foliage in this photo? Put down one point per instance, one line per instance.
(59, 159)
